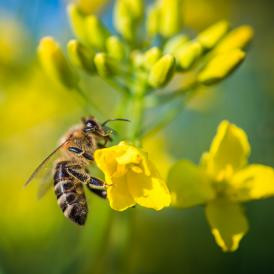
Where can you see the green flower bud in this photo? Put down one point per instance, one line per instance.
(221, 66)
(137, 58)
(173, 45)
(127, 14)
(162, 71)
(77, 22)
(96, 32)
(115, 48)
(80, 56)
(171, 17)
(153, 20)
(151, 56)
(212, 35)
(55, 63)
(237, 38)
(103, 65)
(188, 54)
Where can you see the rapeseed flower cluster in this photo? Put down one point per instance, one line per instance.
(139, 59)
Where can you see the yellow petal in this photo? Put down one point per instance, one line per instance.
(131, 178)
(228, 223)
(106, 159)
(118, 194)
(228, 152)
(189, 185)
(148, 191)
(221, 66)
(253, 182)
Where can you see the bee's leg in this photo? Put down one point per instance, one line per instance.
(85, 178)
(100, 193)
(106, 139)
(97, 186)
(101, 145)
(78, 173)
(95, 183)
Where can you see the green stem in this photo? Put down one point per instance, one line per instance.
(99, 266)
(163, 99)
(137, 111)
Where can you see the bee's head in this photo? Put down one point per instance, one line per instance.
(92, 126)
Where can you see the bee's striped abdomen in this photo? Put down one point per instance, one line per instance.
(70, 194)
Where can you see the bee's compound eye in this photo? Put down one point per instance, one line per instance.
(91, 125)
(75, 150)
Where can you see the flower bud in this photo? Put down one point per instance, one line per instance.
(80, 56)
(115, 48)
(237, 38)
(221, 66)
(162, 71)
(127, 14)
(211, 36)
(171, 17)
(137, 58)
(188, 54)
(55, 64)
(90, 6)
(173, 45)
(103, 65)
(96, 32)
(153, 20)
(151, 56)
(77, 22)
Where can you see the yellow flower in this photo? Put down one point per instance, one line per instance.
(221, 182)
(131, 178)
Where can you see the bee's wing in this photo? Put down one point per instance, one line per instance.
(46, 182)
(43, 167)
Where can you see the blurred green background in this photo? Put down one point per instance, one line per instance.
(36, 238)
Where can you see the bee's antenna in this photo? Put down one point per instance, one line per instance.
(117, 119)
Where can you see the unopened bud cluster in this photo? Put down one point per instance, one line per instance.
(149, 43)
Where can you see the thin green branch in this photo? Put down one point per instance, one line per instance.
(87, 102)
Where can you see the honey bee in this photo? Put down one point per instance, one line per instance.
(70, 172)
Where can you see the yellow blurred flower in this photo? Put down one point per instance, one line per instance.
(221, 66)
(221, 182)
(90, 6)
(238, 38)
(131, 178)
(55, 64)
